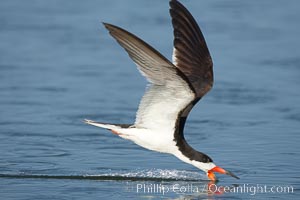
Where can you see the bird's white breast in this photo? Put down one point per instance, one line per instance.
(161, 140)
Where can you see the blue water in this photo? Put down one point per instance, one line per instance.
(58, 65)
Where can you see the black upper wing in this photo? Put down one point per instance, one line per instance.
(190, 53)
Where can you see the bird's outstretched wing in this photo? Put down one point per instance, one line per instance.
(169, 92)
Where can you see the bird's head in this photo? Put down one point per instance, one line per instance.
(212, 176)
(210, 168)
(205, 163)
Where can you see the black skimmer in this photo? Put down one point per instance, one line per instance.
(175, 88)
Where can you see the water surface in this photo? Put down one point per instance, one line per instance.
(58, 65)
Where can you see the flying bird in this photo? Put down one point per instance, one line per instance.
(175, 87)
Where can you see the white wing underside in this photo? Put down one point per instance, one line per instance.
(160, 106)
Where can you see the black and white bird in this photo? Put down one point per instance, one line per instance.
(175, 88)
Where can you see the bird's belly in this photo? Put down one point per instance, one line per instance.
(156, 141)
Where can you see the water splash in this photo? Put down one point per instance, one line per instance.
(172, 174)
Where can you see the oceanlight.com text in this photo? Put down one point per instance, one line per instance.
(251, 189)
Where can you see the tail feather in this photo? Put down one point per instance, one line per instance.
(107, 126)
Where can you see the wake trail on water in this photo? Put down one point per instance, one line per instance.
(124, 175)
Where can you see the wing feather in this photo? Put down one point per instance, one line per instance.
(154, 66)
